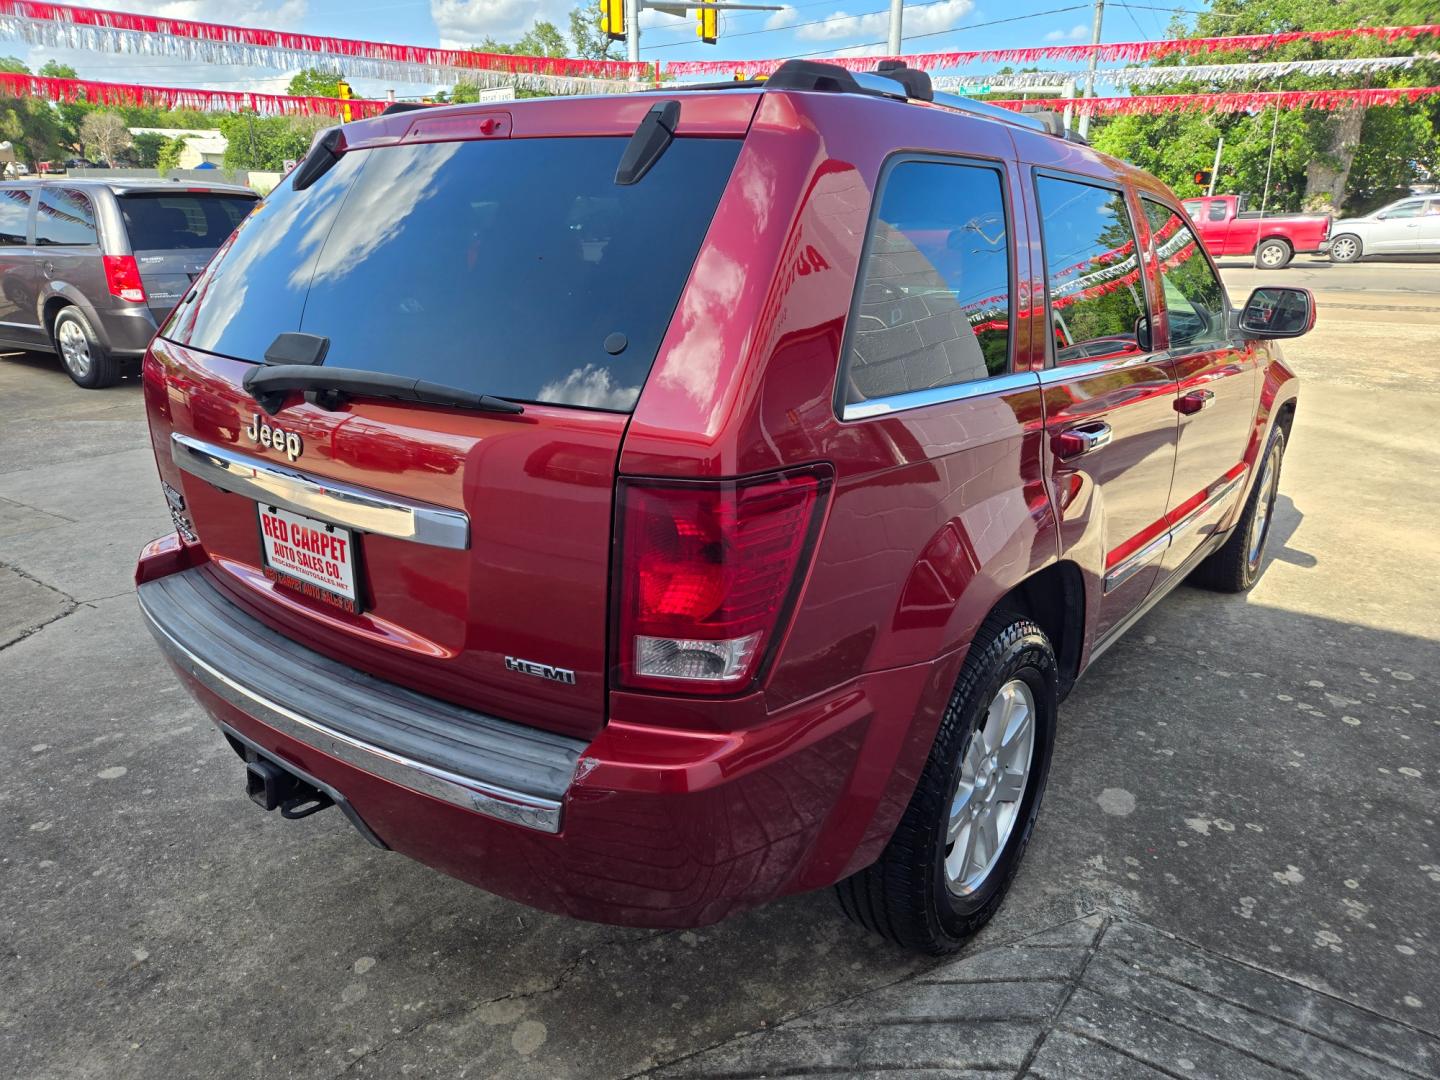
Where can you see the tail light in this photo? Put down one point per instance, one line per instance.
(707, 574)
(122, 275)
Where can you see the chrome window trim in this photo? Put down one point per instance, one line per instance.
(1084, 369)
(331, 500)
(939, 395)
(530, 811)
(1002, 170)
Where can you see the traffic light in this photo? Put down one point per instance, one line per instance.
(707, 26)
(344, 93)
(612, 19)
(1202, 177)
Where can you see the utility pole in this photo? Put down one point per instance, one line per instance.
(632, 30)
(1215, 169)
(897, 8)
(1090, 68)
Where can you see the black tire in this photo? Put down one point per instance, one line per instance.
(1349, 251)
(905, 895)
(84, 358)
(1273, 255)
(1238, 562)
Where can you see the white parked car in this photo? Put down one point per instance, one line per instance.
(1409, 226)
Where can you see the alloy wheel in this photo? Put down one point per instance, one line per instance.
(994, 775)
(1343, 249)
(1271, 256)
(1264, 505)
(74, 348)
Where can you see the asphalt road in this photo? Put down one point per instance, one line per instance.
(1236, 872)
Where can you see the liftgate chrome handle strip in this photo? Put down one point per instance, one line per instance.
(336, 502)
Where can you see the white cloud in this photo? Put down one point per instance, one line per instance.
(1078, 32)
(927, 19)
(463, 23)
(778, 20)
(285, 15)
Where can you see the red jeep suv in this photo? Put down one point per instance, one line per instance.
(646, 506)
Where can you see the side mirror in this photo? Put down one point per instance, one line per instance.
(1142, 334)
(1273, 312)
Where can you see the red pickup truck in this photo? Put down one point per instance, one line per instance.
(1228, 229)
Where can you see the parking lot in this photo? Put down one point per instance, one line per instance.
(1236, 872)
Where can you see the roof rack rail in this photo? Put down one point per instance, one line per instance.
(890, 79)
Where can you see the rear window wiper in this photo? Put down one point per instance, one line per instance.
(269, 385)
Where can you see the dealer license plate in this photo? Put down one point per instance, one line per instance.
(309, 555)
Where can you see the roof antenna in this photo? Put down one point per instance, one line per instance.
(651, 139)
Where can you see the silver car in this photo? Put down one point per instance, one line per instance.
(90, 268)
(1409, 226)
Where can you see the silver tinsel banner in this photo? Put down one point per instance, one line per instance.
(1140, 77)
(140, 43)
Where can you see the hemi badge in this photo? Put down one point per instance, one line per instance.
(540, 671)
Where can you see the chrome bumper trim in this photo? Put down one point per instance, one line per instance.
(331, 500)
(517, 808)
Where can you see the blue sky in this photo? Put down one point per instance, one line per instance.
(804, 27)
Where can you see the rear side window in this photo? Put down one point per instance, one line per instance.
(1218, 210)
(1092, 269)
(512, 267)
(181, 220)
(14, 214)
(64, 218)
(933, 300)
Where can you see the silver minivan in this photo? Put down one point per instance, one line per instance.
(90, 268)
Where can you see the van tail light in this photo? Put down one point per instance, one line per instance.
(707, 573)
(122, 275)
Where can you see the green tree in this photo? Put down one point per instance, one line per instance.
(1321, 159)
(168, 157)
(13, 66)
(31, 128)
(585, 35)
(145, 149)
(265, 142)
(53, 69)
(315, 82)
(544, 39)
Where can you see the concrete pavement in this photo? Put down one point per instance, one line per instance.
(1240, 833)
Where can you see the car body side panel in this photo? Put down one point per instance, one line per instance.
(936, 512)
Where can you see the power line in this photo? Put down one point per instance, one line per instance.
(957, 29)
(908, 37)
(812, 22)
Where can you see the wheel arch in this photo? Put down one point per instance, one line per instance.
(1054, 597)
(62, 295)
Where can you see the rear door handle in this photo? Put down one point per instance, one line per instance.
(1194, 401)
(1079, 441)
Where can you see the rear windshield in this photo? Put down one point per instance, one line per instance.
(512, 267)
(182, 219)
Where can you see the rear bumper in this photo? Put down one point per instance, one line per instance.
(127, 329)
(430, 747)
(645, 826)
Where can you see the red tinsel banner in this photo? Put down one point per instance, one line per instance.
(1115, 51)
(171, 97)
(48, 23)
(1149, 104)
